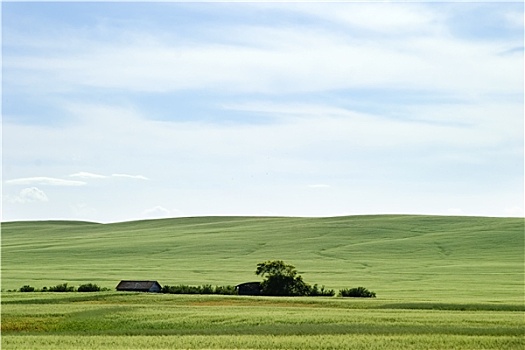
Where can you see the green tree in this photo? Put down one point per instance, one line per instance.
(281, 279)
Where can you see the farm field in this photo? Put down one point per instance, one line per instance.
(424, 257)
(151, 321)
(441, 283)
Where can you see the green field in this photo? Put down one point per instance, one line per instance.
(148, 321)
(441, 283)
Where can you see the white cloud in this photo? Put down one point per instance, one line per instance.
(44, 181)
(30, 195)
(301, 59)
(161, 212)
(127, 176)
(86, 175)
(388, 18)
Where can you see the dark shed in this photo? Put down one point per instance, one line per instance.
(249, 288)
(139, 286)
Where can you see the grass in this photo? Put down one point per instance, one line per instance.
(428, 257)
(441, 283)
(137, 321)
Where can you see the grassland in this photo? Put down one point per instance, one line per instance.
(441, 282)
(131, 321)
(423, 257)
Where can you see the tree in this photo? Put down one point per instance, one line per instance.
(281, 279)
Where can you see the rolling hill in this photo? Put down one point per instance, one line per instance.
(398, 256)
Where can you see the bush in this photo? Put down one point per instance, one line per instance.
(205, 289)
(180, 289)
(225, 290)
(89, 287)
(359, 292)
(315, 291)
(62, 288)
(27, 289)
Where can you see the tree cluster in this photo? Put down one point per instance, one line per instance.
(281, 279)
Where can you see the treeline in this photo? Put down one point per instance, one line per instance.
(279, 279)
(204, 289)
(91, 287)
(207, 289)
(64, 288)
(314, 291)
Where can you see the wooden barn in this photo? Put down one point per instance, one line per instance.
(249, 288)
(139, 286)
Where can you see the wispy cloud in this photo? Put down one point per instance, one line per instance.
(384, 18)
(86, 175)
(44, 181)
(127, 176)
(302, 58)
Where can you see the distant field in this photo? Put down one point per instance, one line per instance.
(433, 258)
(147, 321)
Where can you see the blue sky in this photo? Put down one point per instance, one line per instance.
(124, 111)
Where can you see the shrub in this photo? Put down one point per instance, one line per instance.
(180, 289)
(205, 289)
(359, 292)
(62, 288)
(89, 287)
(225, 290)
(315, 291)
(27, 289)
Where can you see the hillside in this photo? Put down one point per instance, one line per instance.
(398, 256)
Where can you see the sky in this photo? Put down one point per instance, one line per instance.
(125, 111)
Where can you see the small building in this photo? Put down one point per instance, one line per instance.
(139, 286)
(249, 288)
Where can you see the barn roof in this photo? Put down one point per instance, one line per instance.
(136, 285)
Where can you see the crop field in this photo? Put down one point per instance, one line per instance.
(441, 283)
(147, 321)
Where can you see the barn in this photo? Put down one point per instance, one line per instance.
(139, 286)
(249, 288)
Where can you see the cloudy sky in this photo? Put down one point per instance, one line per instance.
(124, 111)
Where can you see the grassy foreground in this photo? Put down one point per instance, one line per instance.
(465, 259)
(146, 321)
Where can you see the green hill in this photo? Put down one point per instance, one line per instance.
(397, 256)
